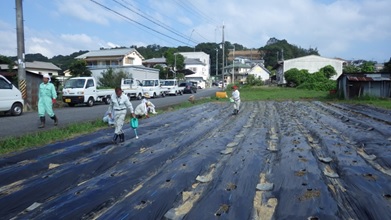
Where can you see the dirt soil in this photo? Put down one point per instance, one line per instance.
(275, 160)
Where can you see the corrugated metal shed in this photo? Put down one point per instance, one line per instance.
(367, 77)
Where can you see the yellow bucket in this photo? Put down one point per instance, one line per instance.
(221, 95)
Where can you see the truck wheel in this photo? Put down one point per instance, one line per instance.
(71, 104)
(17, 109)
(90, 102)
(154, 95)
(139, 96)
(176, 93)
(107, 100)
(163, 94)
(181, 92)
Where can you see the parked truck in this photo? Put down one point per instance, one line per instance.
(83, 90)
(172, 86)
(132, 88)
(153, 88)
(11, 100)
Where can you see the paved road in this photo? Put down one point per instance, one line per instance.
(29, 121)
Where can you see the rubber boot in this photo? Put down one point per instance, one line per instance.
(54, 117)
(42, 125)
(236, 111)
(121, 137)
(115, 138)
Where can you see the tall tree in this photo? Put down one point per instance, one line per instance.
(79, 68)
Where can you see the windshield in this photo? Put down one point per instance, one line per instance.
(128, 81)
(168, 83)
(148, 82)
(74, 83)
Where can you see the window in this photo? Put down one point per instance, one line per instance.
(4, 84)
(90, 83)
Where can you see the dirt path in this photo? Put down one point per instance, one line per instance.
(281, 160)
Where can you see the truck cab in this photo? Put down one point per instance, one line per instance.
(11, 100)
(153, 88)
(172, 86)
(132, 88)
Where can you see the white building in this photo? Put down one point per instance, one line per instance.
(199, 63)
(128, 60)
(260, 72)
(312, 63)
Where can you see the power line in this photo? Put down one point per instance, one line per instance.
(151, 20)
(109, 9)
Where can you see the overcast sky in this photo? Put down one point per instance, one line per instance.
(348, 29)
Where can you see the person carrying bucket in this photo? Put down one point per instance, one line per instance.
(236, 99)
(119, 103)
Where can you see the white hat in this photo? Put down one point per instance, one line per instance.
(47, 76)
(149, 103)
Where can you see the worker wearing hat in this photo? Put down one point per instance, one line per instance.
(46, 98)
(119, 103)
(236, 97)
(142, 109)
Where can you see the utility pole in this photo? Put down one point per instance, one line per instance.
(175, 66)
(217, 61)
(20, 45)
(233, 66)
(223, 59)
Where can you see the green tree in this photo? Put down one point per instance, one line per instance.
(112, 78)
(328, 71)
(8, 61)
(79, 68)
(349, 69)
(367, 67)
(387, 67)
(175, 61)
(295, 77)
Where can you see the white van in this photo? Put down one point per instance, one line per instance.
(11, 100)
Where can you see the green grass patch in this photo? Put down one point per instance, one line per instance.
(44, 137)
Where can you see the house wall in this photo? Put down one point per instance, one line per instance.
(136, 71)
(202, 70)
(258, 71)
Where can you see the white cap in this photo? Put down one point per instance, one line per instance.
(46, 76)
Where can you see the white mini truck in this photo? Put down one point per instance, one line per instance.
(82, 90)
(172, 86)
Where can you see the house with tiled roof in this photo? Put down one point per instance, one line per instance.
(128, 60)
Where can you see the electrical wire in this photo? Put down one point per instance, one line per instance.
(138, 23)
(151, 20)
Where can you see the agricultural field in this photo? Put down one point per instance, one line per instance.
(274, 160)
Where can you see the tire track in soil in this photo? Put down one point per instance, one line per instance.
(156, 175)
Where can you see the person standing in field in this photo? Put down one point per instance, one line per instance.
(236, 97)
(46, 98)
(119, 104)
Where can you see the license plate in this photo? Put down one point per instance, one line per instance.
(67, 100)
